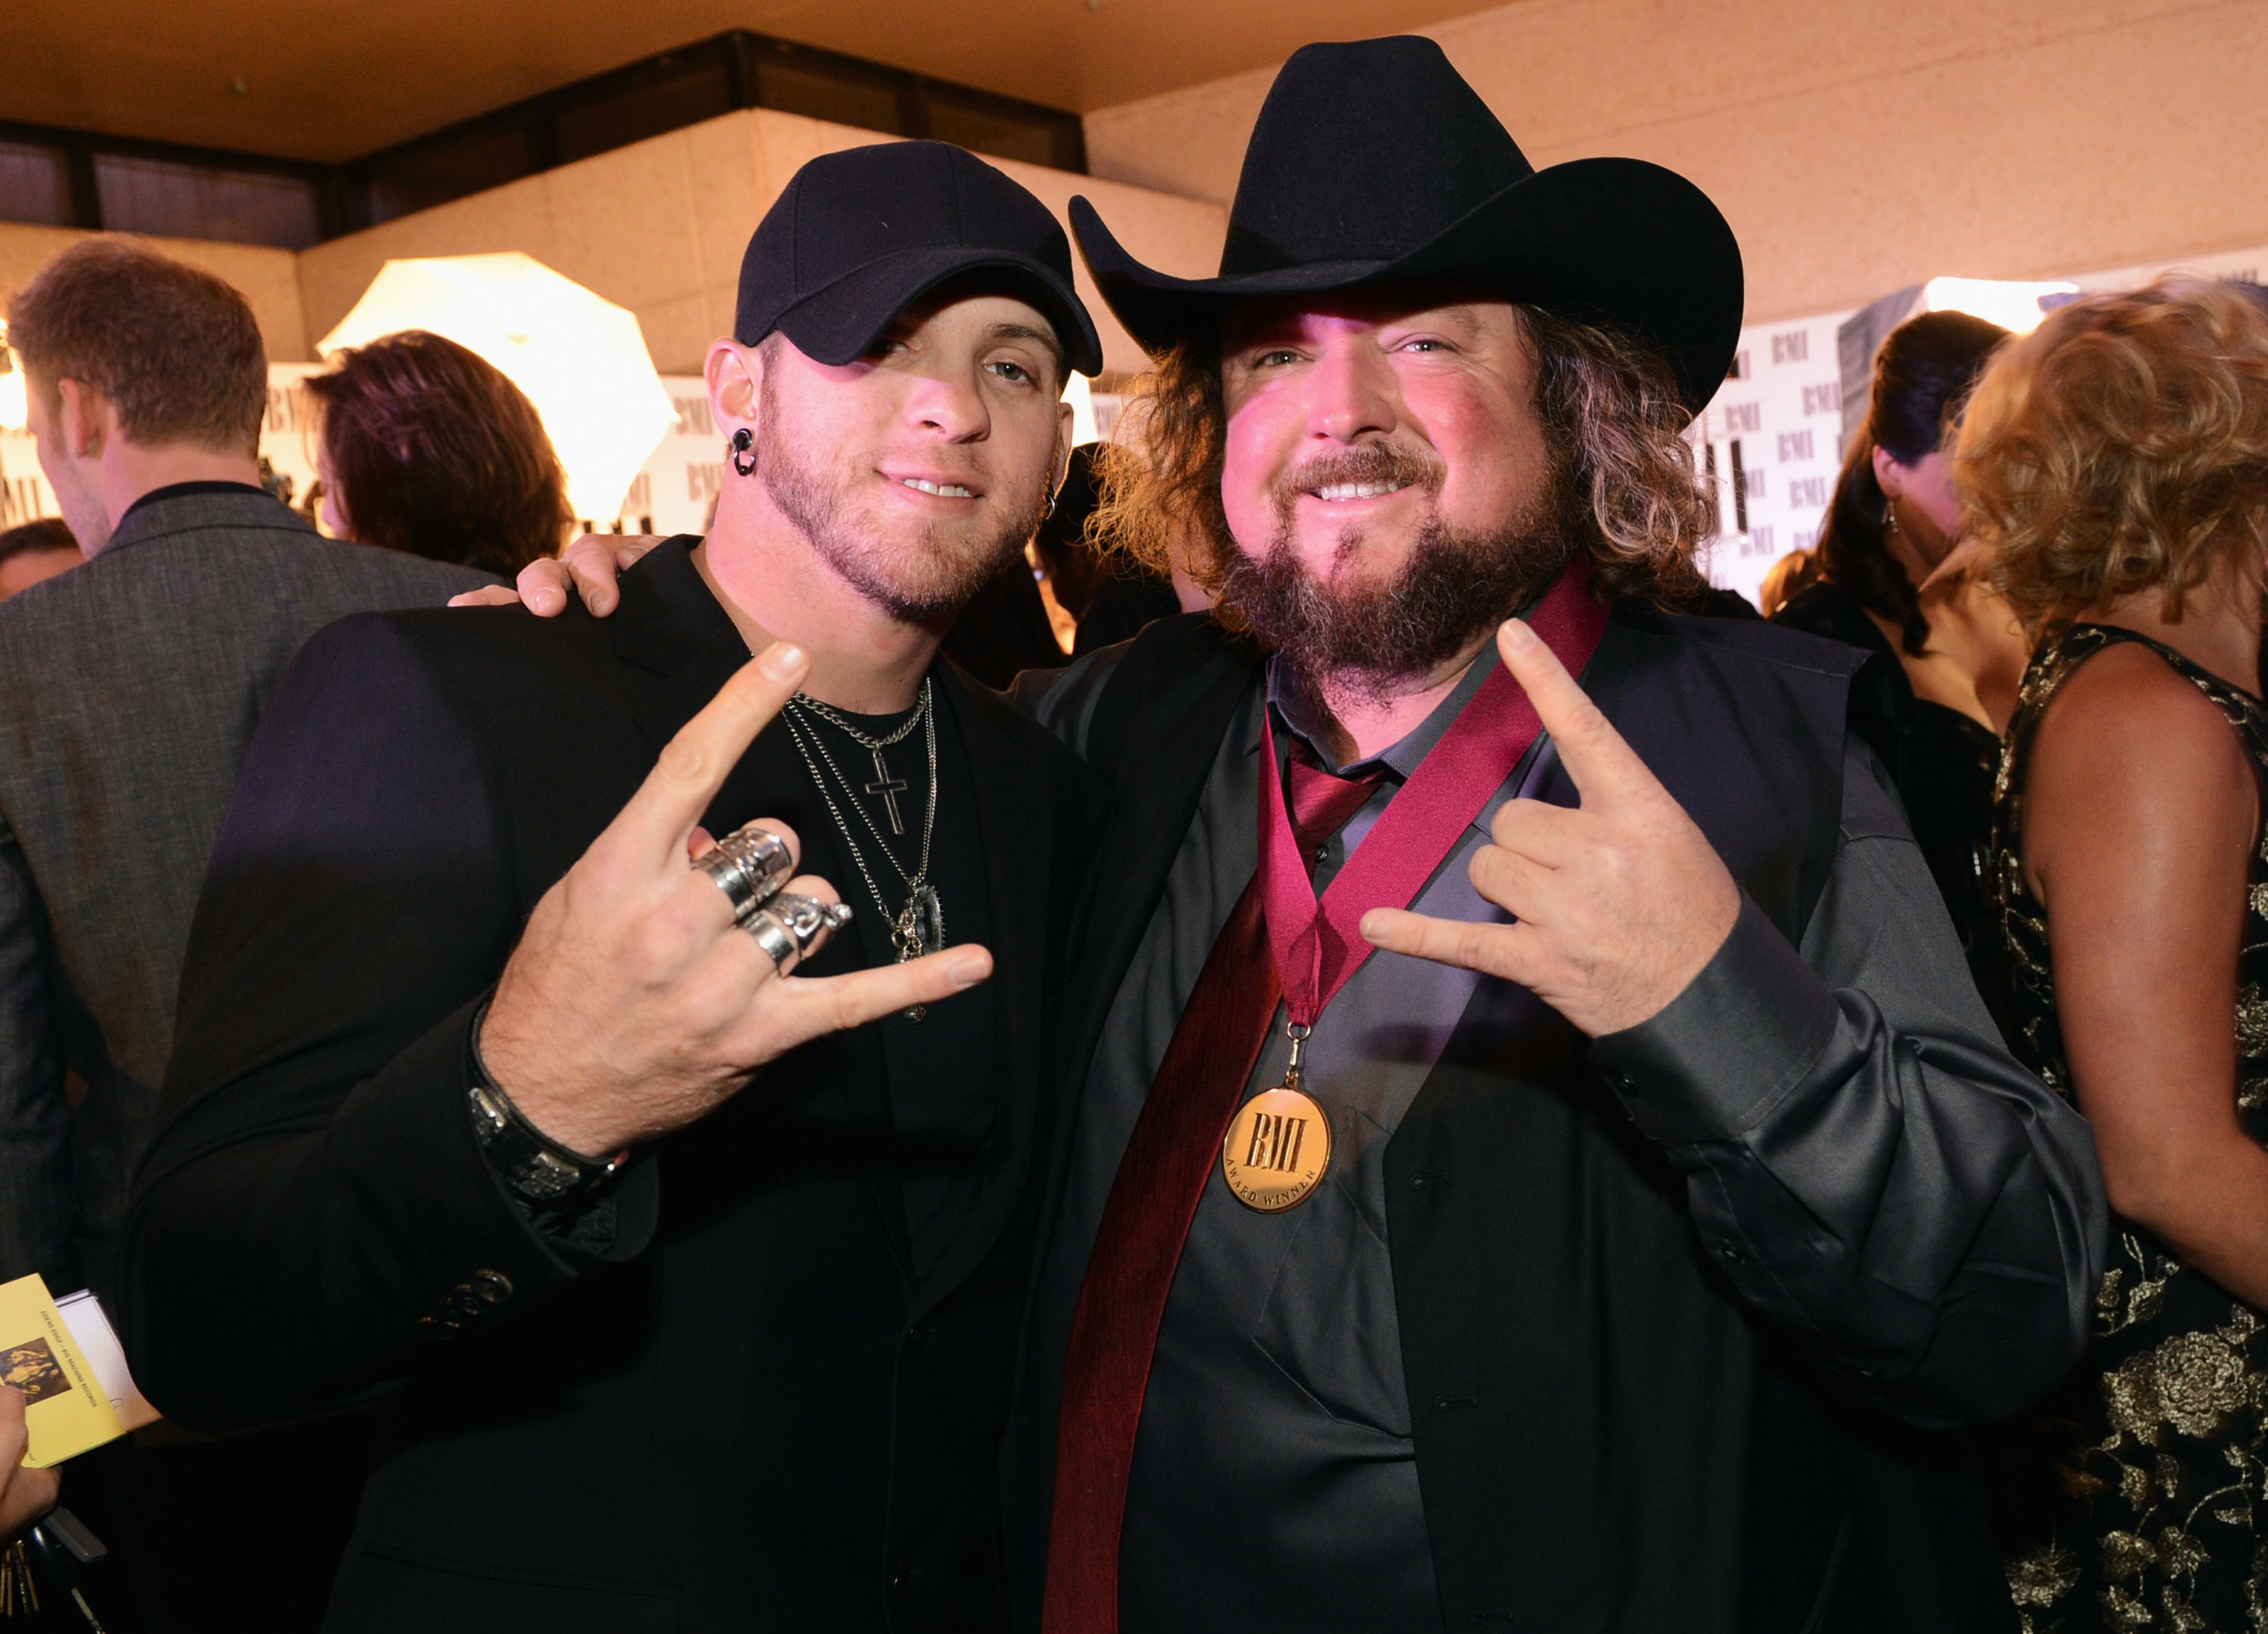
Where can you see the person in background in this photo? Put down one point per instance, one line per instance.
(426, 447)
(1109, 596)
(1072, 568)
(129, 688)
(1933, 705)
(1004, 628)
(2115, 466)
(36, 551)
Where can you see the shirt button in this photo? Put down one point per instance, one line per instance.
(1730, 1249)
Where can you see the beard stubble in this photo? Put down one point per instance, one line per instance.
(916, 574)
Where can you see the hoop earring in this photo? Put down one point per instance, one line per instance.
(1047, 507)
(743, 444)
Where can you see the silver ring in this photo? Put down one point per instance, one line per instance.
(791, 925)
(748, 866)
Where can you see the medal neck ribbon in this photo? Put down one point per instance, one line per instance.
(1318, 946)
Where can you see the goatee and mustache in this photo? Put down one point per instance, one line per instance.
(918, 574)
(1367, 635)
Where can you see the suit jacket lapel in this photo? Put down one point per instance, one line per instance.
(1156, 774)
(677, 644)
(1156, 770)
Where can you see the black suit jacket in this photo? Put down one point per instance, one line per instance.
(729, 1403)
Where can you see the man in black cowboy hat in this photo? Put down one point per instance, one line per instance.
(1628, 1258)
(1608, 1263)
(691, 1298)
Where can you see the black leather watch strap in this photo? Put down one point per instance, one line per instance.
(535, 1168)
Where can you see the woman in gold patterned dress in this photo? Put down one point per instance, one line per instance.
(2115, 461)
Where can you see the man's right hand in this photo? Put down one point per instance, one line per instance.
(588, 568)
(633, 1006)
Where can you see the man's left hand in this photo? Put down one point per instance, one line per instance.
(1617, 903)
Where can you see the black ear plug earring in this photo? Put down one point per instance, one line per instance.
(744, 458)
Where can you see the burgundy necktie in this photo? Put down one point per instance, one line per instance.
(1161, 1177)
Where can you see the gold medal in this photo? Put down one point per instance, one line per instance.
(1277, 1150)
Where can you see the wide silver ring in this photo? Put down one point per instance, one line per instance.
(748, 865)
(791, 924)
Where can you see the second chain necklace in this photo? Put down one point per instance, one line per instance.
(918, 926)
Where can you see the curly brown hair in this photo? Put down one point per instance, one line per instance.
(2121, 447)
(436, 453)
(1612, 421)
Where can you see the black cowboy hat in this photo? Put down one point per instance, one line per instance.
(1373, 162)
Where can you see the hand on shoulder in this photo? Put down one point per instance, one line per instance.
(588, 568)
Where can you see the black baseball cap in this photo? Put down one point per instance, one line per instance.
(860, 235)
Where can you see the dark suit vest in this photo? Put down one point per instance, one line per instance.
(1605, 1439)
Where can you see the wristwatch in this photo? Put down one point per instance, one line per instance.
(533, 1168)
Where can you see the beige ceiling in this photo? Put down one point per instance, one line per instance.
(332, 79)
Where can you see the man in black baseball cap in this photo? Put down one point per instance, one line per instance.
(692, 1284)
(859, 236)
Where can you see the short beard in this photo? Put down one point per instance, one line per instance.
(1366, 641)
(919, 575)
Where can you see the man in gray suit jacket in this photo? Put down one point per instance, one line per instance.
(129, 688)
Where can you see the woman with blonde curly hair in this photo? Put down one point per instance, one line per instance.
(2116, 465)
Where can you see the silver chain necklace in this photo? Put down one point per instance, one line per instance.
(918, 927)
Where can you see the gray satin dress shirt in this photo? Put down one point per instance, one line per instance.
(1275, 1482)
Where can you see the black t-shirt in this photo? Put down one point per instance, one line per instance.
(943, 1069)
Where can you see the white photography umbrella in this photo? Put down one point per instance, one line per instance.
(581, 359)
